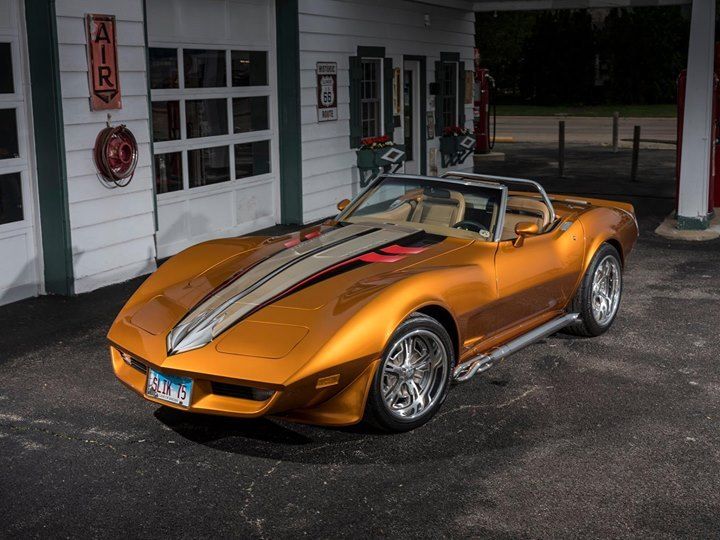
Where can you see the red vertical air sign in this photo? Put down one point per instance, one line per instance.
(102, 60)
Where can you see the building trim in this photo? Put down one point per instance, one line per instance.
(423, 107)
(150, 121)
(48, 129)
(288, 97)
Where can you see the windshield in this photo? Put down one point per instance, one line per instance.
(435, 206)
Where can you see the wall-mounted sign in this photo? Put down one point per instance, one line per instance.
(102, 62)
(430, 125)
(469, 84)
(326, 91)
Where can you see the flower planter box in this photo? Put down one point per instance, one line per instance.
(449, 144)
(366, 158)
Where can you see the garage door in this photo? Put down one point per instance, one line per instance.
(212, 79)
(18, 251)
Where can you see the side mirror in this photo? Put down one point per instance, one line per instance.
(523, 229)
(343, 204)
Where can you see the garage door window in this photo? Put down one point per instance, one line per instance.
(11, 208)
(211, 117)
(12, 159)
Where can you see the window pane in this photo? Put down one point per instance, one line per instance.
(206, 117)
(166, 120)
(204, 68)
(6, 71)
(252, 159)
(11, 208)
(250, 114)
(208, 166)
(249, 68)
(370, 98)
(8, 134)
(168, 172)
(163, 68)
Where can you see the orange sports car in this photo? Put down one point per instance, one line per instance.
(418, 283)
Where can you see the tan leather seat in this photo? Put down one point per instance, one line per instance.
(443, 211)
(524, 209)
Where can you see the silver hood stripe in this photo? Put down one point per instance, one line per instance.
(276, 274)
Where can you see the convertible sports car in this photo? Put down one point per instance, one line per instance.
(417, 283)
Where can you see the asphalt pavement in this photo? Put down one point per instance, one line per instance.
(604, 437)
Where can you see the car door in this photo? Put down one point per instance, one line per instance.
(538, 276)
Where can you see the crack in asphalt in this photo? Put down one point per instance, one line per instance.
(495, 406)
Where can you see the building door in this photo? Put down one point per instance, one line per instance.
(411, 115)
(19, 274)
(214, 122)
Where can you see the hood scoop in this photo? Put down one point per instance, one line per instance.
(273, 277)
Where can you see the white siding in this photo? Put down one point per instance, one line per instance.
(112, 230)
(331, 31)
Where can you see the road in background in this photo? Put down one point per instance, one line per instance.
(583, 129)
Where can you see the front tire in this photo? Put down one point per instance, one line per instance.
(598, 298)
(413, 377)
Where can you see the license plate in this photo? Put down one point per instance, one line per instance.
(171, 388)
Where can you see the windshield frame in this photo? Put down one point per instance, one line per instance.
(360, 197)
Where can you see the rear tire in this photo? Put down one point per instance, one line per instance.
(413, 377)
(598, 298)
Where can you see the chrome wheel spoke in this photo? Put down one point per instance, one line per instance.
(605, 290)
(411, 371)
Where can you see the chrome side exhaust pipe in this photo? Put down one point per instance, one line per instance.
(483, 362)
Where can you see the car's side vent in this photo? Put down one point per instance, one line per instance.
(242, 392)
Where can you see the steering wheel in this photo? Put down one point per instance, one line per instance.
(472, 226)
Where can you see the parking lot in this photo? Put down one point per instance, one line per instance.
(610, 436)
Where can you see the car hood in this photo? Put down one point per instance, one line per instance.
(261, 297)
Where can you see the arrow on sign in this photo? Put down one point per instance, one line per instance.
(106, 95)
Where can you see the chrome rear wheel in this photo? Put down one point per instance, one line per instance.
(606, 290)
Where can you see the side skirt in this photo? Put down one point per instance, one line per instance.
(467, 370)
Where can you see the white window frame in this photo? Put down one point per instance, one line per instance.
(22, 163)
(381, 101)
(227, 92)
(457, 92)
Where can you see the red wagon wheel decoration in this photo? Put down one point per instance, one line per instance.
(116, 156)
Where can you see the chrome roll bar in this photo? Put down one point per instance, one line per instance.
(506, 180)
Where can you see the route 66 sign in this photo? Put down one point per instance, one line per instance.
(326, 91)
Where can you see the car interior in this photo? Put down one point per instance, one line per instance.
(440, 208)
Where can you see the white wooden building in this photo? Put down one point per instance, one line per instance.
(222, 97)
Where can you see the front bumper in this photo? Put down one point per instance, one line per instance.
(305, 401)
(208, 396)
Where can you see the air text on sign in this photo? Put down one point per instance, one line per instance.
(102, 62)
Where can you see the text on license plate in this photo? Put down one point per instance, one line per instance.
(172, 388)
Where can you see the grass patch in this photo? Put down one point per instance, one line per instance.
(626, 111)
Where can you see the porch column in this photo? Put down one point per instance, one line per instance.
(696, 144)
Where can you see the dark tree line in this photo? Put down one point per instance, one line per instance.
(580, 57)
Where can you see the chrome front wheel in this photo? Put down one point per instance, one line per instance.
(414, 374)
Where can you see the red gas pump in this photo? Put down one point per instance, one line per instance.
(714, 172)
(484, 103)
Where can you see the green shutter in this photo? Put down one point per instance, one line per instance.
(389, 121)
(355, 77)
(439, 99)
(461, 94)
